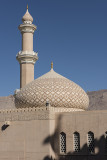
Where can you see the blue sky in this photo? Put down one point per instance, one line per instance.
(71, 33)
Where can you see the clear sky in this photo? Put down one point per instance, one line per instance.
(71, 33)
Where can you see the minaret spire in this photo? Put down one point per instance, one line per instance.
(27, 6)
(51, 65)
(27, 57)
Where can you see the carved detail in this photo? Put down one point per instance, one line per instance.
(27, 28)
(27, 57)
(25, 114)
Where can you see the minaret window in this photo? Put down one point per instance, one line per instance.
(90, 142)
(76, 142)
(62, 142)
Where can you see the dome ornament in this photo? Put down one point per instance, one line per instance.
(27, 6)
(51, 65)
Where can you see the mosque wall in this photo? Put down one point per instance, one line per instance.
(29, 133)
(85, 135)
(25, 134)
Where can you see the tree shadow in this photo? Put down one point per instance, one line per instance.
(100, 148)
(52, 139)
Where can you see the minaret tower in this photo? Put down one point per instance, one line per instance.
(27, 57)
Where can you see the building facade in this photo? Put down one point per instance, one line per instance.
(48, 117)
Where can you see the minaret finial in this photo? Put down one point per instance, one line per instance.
(51, 65)
(27, 6)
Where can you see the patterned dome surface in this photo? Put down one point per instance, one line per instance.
(55, 89)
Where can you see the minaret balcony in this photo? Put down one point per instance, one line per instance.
(27, 27)
(27, 57)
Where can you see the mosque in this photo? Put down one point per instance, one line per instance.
(47, 118)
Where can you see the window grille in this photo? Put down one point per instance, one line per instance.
(90, 142)
(106, 141)
(62, 142)
(76, 141)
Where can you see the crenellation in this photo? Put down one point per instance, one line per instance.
(33, 109)
(33, 113)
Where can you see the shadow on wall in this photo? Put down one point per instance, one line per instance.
(52, 139)
(48, 158)
(99, 153)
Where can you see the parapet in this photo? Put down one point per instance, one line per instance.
(21, 114)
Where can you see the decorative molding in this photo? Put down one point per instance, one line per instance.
(27, 28)
(26, 114)
(27, 53)
(27, 57)
(26, 117)
(27, 22)
(39, 109)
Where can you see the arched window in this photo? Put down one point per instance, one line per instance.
(76, 142)
(62, 142)
(106, 141)
(90, 142)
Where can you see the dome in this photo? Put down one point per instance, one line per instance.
(55, 89)
(27, 16)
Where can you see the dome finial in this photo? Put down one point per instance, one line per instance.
(51, 65)
(27, 6)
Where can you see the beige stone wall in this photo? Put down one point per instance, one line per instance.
(83, 122)
(26, 74)
(28, 136)
(24, 140)
(34, 134)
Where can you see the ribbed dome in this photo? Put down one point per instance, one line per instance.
(55, 89)
(27, 17)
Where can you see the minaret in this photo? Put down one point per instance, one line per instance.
(27, 57)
